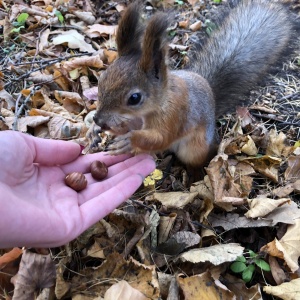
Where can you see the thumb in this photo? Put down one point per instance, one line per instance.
(53, 152)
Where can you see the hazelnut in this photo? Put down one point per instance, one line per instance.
(98, 170)
(76, 181)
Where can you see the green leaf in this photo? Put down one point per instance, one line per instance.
(217, 1)
(252, 254)
(237, 267)
(61, 18)
(22, 18)
(262, 264)
(17, 30)
(241, 258)
(248, 273)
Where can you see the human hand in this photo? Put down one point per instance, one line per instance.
(38, 209)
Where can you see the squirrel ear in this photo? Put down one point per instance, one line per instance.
(130, 30)
(154, 48)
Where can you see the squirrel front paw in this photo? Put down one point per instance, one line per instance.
(120, 145)
(94, 139)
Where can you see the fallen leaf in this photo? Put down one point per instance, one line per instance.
(173, 199)
(203, 286)
(24, 122)
(286, 291)
(74, 40)
(36, 272)
(234, 221)
(123, 291)
(98, 30)
(292, 172)
(265, 165)
(288, 247)
(277, 144)
(260, 207)
(216, 254)
(10, 256)
(240, 290)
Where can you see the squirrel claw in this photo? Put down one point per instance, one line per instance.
(120, 145)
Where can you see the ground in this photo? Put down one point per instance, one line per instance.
(233, 233)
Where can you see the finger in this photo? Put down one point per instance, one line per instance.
(121, 172)
(52, 152)
(97, 208)
(82, 164)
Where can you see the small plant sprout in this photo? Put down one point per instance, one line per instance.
(245, 265)
(19, 24)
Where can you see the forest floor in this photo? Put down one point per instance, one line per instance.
(234, 234)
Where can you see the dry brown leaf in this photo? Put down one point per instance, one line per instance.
(244, 116)
(292, 172)
(260, 207)
(234, 221)
(286, 291)
(249, 146)
(74, 40)
(265, 165)
(98, 30)
(61, 80)
(288, 247)
(286, 214)
(203, 286)
(123, 291)
(84, 61)
(278, 274)
(188, 238)
(222, 180)
(216, 254)
(140, 277)
(8, 99)
(277, 144)
(61, 128)
(71, 101)
(36, 272)
(23, 122)
(173, 199)
(284, 191)
(164, 281)
(85, 16)
(10, 256)
(165, 226)
(240, 290)
(196, 26)
(43, 41)
(110, 55)
(91, 94)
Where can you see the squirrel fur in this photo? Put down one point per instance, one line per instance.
(151, 108)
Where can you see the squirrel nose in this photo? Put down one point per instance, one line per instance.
(102, 125)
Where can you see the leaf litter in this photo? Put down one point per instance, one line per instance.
(172, 239)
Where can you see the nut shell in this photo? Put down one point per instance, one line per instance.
(99, 170)
(76, 181)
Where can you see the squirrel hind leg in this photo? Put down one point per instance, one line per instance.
(194, 149)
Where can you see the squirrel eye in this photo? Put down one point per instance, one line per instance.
(134, 99)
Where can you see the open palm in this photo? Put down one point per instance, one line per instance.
(38, 209)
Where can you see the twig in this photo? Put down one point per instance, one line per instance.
(18, 111)
(44, 64)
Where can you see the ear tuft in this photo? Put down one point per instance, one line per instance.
(154, 48)
(130, 30)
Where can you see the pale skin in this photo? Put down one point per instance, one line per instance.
(38, 209)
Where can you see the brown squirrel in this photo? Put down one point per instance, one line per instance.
(151, 108)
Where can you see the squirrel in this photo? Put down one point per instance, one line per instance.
(150, 108)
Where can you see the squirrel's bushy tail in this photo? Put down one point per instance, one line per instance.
(249, 41)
